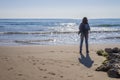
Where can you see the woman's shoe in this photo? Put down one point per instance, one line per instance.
(80, 52)
(87, 51)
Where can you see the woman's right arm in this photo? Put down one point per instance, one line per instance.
(79, 29)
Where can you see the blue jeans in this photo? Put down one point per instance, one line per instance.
(84, 35)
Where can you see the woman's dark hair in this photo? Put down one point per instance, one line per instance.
(85, 20)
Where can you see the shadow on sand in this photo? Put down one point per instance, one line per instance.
(86, 60)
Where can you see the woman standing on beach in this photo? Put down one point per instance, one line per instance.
(84, 30)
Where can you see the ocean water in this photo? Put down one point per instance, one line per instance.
(56, 31)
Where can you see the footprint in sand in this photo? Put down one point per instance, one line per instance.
(5, 58)
(33, 60)
(45, 77)
(95, 64)
(67, 66)
(34, 63)
(19, 56)
(61, 76)
(11, 68)
(37, 60)
(75, 52)
(42, 69)
(20, 74)
(90, 75)
(52, 51)
(51, 73)
(61, 51)
(72, 64)
(43, 64)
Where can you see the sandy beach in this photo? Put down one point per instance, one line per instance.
(51, 63)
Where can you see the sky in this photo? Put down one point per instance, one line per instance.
(59, 8)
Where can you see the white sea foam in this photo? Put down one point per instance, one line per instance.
(56, 31)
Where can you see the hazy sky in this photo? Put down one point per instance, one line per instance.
(59, 8)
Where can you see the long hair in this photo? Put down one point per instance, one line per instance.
(85, 20)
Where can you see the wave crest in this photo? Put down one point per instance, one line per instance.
(55, 32)
(106, 25)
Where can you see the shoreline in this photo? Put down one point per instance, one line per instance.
(51, 62)
(69, 45)
(63, 44)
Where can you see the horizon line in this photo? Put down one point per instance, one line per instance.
(59, 18)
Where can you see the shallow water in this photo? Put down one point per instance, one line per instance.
(56, 31)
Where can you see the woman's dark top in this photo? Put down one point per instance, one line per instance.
(84, 28)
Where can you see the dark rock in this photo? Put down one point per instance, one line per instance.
(108, 50)
(100, 52)
(105, 62)
(113, 73)
(102, 68)
(112, 64)
(115, 50)
(114, 56)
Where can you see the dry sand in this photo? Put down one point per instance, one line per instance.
(51, 63)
